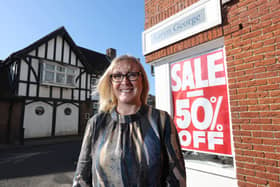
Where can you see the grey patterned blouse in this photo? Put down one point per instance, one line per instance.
(139, 150)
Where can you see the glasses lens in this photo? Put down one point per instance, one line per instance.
(116, 77)
(132, 76)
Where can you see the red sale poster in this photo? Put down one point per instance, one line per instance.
(200, 102)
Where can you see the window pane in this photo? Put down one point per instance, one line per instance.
(70, 79)
(49, 67)
(49, 76)
(60, 69)
(60, 78)
(70, 71)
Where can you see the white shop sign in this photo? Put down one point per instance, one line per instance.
(197, 18)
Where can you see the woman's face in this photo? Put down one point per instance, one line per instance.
(127, 91)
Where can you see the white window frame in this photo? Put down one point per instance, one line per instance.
(56, 71)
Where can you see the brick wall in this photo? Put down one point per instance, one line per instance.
(251, 29)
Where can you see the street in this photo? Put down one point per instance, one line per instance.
(40, 165)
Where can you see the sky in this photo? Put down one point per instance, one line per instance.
(93, 24)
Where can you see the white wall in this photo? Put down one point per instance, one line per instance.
(58, 48)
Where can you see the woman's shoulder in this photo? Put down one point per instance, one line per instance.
(156, 113)
(156, 110)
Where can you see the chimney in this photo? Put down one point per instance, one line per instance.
(112, 53)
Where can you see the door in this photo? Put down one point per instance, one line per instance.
(67, 118)
(37, 119)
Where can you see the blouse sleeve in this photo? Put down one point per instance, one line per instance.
(176, 174)
(82, 176)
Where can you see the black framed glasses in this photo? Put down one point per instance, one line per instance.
(132, 76)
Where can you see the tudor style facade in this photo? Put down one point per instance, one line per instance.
(47, 88)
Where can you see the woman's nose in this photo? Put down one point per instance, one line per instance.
(125, 80)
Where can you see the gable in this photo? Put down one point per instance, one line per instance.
(58, 49)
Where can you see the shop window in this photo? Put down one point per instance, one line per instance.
(39, 110)
(201, 109)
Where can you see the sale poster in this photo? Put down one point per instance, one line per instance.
(200, 103)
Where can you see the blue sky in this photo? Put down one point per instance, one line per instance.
(93, 24)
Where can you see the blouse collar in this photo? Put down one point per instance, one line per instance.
(128, 118)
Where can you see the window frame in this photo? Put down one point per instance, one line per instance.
(68, 71)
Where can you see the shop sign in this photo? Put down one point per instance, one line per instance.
(198, 17)
(200, 103)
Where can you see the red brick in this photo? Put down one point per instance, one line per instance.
(275, 121)
(275, 107)
(256, 70)
(262, 134)
(256, 180)
(266, 175)
(271, 142)
(275, 156)
(271, 28)
(261, 121)
(244, 158)
(266, 62)
(274, 80)
(246, 171)
(256, 82)
(239, 108)
(273, 169)
(244, 66)
(247, 102)
(243, 146)
(268, 87)
(254, 154)
(263, 148)
(243, 121)
(265, 49)
(251, 140)
(274, 183)
(257, 95)
(271, 114)
(246, 184)
(246, 90)
(266, 162)
(265, 74)
(259, 108)
(271, 127)
(274, 67)
(249, 114)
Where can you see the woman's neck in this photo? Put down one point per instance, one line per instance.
(128, 109)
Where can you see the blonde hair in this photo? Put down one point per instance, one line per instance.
(107, 99)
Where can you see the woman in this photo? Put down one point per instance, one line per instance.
(129, 143)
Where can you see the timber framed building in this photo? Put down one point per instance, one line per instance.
(46, 88)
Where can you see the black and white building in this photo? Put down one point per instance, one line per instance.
(46, 88)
